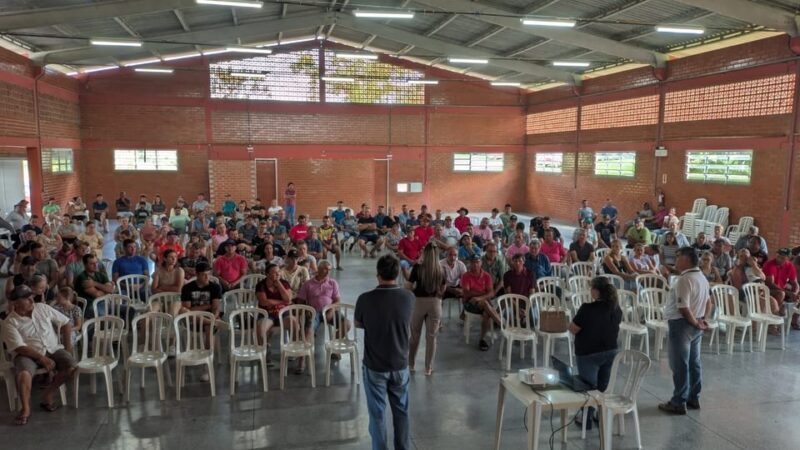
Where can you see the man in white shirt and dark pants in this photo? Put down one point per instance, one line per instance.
(686, 309)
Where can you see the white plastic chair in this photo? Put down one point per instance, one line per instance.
(114, 305)
(726, 300)
(577, 299)
(757, 297)
(631, 326)
(293, 321)
(155, 329)
(651, 280)
(136, 288)
(560, 270)
(104, 356)
(239, 299)
(550, 302)
(619, 402)
(579, 283)
(709, 214)
(470, 319)
(194, 346)
(82, 303)
(339, 340)
(720, 218)
(247, 345)
(734, 232)
(250, 281)
(164, 302)
(599, 255)
(616, 280)
(516, 324)
(654, 300)
(551, 285)
(584, 269)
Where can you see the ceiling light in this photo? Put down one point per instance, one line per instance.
(548, 23)
(383, 14)
(237, 3)
(116, 42)
(468, 61)
(182, 56)
(248, 75)
(141, 62)
(680, 30)
(263, 51)
(290, 41)
(97, 69)
(571, 64)
(339, 79)
(216, 51)
(71, 74)
(356, 56)
(148, 70)
(506, 83)
(422, 82)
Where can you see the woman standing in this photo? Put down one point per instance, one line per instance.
(290, 194)
(168, 277)
(428, 282)
(596, 329)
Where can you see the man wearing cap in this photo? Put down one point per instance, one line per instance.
(744, 241)
(18, 218)
(201, 294)
(92, 283)
(639, 234)
(606, 233)
(29, 334)
(477, 294)
(230, 267)
(26, 271)
(299, 232)
(450, 233)
(462, 220)
(781, 278)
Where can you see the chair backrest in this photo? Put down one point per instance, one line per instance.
(632, 373)
(653, 299)
(514, 311)
(599, 255)
(551, 285)
(745, 222)
(757, 297)
(190, 330)
(709, 212)
(722, 216)
(294, 319)
(726, 300)
(246, 321)
(5, 356)
(163, 301)
(699, 205)
(627, 303)
(154, 326)
(584, 269)
(211, 278)
(337, 329)
(250, 281)
(135, 287)
(580, 283)
(616, 280)
(651, 280)
(82, 303)
(112, 305)
(560, 270)
(102, 326)
(579, 298)
(547, 302)
(239, 299)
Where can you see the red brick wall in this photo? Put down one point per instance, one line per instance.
(62, 186)
(17, 116)
(235, 177)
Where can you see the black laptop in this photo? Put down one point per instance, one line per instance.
(567, 377)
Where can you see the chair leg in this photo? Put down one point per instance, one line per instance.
(636, 421)
(128, 384)
(178, 380)
(646, 338)
(570, 350)
(621, 425)
(62, 390)
(143, 377)
(283, 369)
(160, 379)
(608, 419)
(264, 378)
(585, 413)
(212, 378)
(466, 328)
(233, 376)
(10, 392)
(313, 371)
(751, 338)
(75, 387)
(355, 362)
(109, 386)
(327, 367)
(508, 353)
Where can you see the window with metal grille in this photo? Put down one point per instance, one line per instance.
(375, 82)
(549, 162)
(556, 121)
(290, 77)
(412, 187)
(725, 166)
(761, 97)
(615, 164)
(478, 162)
(146, 160)
(61, 160)
(630, 112)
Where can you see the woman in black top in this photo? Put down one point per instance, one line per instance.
(596, 328)
(428, 281)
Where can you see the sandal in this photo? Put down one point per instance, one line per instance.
(21, 420)
(49, 407)
(428, 372)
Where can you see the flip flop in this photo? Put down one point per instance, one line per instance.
(21, 420)
(49, 407)
(428, 372)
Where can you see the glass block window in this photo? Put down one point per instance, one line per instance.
(478, 162)
(412, 188)
(146, 160)
(549, 162)
(615, 164)
(556, 121)
(292, 77)
(727, 166)
(61, 160)
(630, 112)
(375, 82)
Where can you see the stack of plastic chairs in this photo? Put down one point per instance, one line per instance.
(734, 232)
(689, 218)
(709, 214)
(720, 218)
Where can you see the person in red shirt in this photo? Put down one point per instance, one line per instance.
(299, 232)
(781, 278)
(424, 231)
(478, 292)
(230, 267)
(171, 243)
(462, 220)
(408, 250)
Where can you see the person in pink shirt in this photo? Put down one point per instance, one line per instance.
(230, 267)
(462, 220)
(478, 293)
(517, 248)
(319, 292)
(299, 232)
(484, 233)
(553, 249)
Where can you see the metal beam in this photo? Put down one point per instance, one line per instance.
(440, 26)
(76, 13)
(221, 36)
(751, 12)
(496, 15)
(491, 33)
(181, 19)
(455, 50)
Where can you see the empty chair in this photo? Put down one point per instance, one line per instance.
(734, 232)
(726, 300)
(239, 299)
(560, 270)
(546, 302)
(651, 280)
(550, 285)
(154, 330)
(654, 300)
(114, 305)
(136, 288)
(758, 307)
(616, 280)
(720, 218)
(516, 324)
(247, 344)
(250, 281)
(709, 214)
(194, 346)
(584, 269)
(579, 298)
(294, 319)
(579, 283)
(104, 355)
(340, 338)
(631, 326)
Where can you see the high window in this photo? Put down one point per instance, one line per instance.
(478, 162)
(615, 164)
(146, 160)
(549, 162)
(61, 160)
(719, 166)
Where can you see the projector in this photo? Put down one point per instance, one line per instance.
(538, 377)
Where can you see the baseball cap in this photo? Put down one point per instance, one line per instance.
(19, 292)
(474, 257)
(202, 266)
(513, 217)
(636, 220)
(173, 233)
(785, 251)
(292, 254)
(588, 220)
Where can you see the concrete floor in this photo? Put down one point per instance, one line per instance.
(744, 406)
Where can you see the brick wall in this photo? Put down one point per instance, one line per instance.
(236, 177)
(62, 186)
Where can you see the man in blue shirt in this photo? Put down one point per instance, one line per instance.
(130, 263)
(338, 214)
(611, 211)
(536, 262)
(228, 206)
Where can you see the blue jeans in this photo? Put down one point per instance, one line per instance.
(595, 369)
(377, 385)
(290, 213)
(684, 360)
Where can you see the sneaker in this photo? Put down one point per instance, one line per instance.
(671, 408)
(693, 404)
(483, 345)
(204, 377)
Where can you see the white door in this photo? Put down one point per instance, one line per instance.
(12, 183)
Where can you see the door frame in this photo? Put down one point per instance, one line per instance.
(275, 162)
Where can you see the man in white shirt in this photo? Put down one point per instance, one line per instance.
(274, 209)
(450, 232)
(29, 335)
(200, 204)
(18, 218)
(687, 307)
(453, 269)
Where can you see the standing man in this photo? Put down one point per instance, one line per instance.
(290, 194)
(686, 309)
(385, 315)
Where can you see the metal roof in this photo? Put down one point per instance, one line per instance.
(608, 32)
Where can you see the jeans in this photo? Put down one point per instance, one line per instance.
(290, 213)
(595, 369)
(377, 385)
(684, 360)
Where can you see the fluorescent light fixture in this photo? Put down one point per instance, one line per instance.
(506, 83)
(263, 51)
(679, 30)
(468, 61)
(182, 56)
(149, 70)
(141, 62)
(422, 82)
(548, 22)
(98, 69)
(290, 41)
(339, 79)
(215, 51)
(248, 75)
(71, 74)
(236, 3)
(356, 56)
(383, 14)
(571, 63)
(116, 42)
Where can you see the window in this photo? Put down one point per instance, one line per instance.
(61, 160)
(292, 77)
(719, 166)
(155, 160)
(615, 164)
(549, 162)
(405, 188)
(555, 121)
(376, 82)
(478, 162)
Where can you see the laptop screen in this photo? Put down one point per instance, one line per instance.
(564, 370)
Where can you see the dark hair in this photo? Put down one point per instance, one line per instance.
(269, 267)
(608, 293)
(128, 242)
(35, 246)
(388, 267)
(690, 253)
(517, 256)
(166, 253)
(87, 257)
